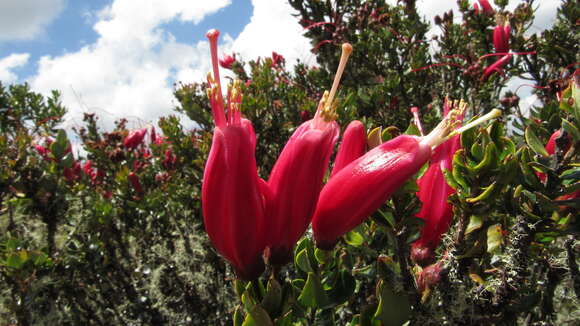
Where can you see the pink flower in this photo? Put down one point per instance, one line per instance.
(352, 147)
(501, 38)
(501, 43)
(277, 59)
(233, 195)
(496, 66)
(296, 179)
(43, 151)
(361, 187)
(551, 149)
(364, 185)
(227, 61)
(486, 7)
(135, 138)
(135, 182)
(433, 193)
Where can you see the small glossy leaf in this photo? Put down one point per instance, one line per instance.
(312, 294)
(494, 238)
(484, 195)
(303, 262)
(374, 138)
(412, 130)
(475, 222)
(354, 238)
(273, 298)
(393, 308)
(571, 129)
(534, 142)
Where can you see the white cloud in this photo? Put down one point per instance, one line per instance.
(273, 28)
(25, 19)
(10, 62)
(129, 71)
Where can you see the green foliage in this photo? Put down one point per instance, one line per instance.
(82, 244)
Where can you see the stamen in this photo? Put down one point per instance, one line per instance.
(218, 112)
(327, 105)
(417, 120)
(346, 51)
(490, 115)
(446, 128)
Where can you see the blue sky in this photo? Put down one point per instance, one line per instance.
(73, 28)
(120, 58)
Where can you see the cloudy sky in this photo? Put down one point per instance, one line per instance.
(120, 58)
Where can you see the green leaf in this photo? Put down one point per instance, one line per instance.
(386, 135)
(393, 308)
(494, 238)
(449, 179)
(273, 298)
(354, 238)
(534, 142)
(59, 146)
(257, 316)
(489, 158)
(303, 262)
(571, 129)
(67, 161)
(412, 130)
(313, 294)
(237, 320)
(388, 216)
(14, 261)
(343, 288)
(487, 191)
(322, 256)
(374, 138)
(475, 222)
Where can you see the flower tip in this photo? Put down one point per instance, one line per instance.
(346, 48)
(212, 34)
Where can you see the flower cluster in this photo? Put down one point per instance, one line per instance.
(251, 220)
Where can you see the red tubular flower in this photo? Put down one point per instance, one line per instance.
(227, 61)
(476, 8)
(365, 184)
(43, 151)
(277, 59)
(486, 7)
(501, 43)
(153, 135)
(233, 195)
(551, 149)
(296, 179)
(433, 193)
(501, 38)
(135, 183)
(135, 138)
(496, 66)
(353, 146)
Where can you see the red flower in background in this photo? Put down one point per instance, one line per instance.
(485, 6)
(277, 59)
(135, 138)
(227, 61)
